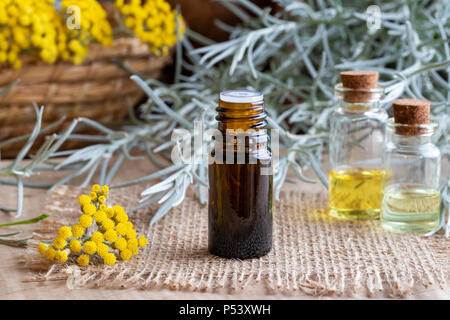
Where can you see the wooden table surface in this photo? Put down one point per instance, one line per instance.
(13, 272)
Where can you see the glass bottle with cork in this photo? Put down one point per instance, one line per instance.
(356, 142)
(411, 198)
(240, 179)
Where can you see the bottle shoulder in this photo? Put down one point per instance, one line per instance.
(426, 150)
(254, 153)
(363, 112)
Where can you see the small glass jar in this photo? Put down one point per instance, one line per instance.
(411, 197)
(356, 142)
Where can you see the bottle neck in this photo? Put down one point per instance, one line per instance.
(358, 100)
(246, 117)
(243, 126)
(357, 107)
(409, 136)
(408, 141)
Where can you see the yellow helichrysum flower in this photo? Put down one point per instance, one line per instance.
(50, 254)
(102, 199)
(102, 207)
(126, 254)
(96, 188)
(105, 189)
(85, 220)
(29, 25)
(121, 217)
(97, 237)
(122, 228)
(42, 248)
(59, 242)
(120, 244)
(3, 55)
(110, 212)
(94, 27)
(132, 243)
(75, 245)
(129, 224)
(118, 209)
(110, 235)
(108, 224)
(83, 200)
(142, 242)
(93, 195)
(61, 256)
(109, 259)
(77, 230)
(75, 46)
(100, 216)
(153, 22)
(90, 247)
(83, 260)
(102, 249)
(131, 234)
(39, 28)
(89, 209)
(65, 232)
(121, 236)
(130, 22)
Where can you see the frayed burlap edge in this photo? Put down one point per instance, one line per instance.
(312, 252)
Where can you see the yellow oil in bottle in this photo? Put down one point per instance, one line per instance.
(356, 194)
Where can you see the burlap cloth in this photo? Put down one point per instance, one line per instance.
(311, 252)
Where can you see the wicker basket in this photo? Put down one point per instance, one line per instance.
(98, 89)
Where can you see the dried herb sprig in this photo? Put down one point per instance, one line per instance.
(294, 58)
(5, 237)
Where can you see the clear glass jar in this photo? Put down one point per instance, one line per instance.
(411, 197)
(356, 141)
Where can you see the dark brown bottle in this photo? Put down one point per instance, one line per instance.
(240, 179)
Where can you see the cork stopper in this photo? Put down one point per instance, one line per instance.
(359, 83)
(411, 112)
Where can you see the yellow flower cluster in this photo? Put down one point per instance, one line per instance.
(38, 28)
(153, 22)
(93, 27)
(114, 233)
(26, 24)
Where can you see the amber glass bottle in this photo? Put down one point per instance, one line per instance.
(240, 179)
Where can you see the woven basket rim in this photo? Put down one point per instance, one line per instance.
(134, 42)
